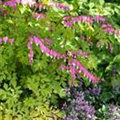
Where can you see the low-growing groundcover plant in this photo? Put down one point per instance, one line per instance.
(92, 103)
(43, 47)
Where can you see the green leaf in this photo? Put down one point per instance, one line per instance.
(91, 5)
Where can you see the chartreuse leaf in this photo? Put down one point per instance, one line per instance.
(116, 58)
(92, 62)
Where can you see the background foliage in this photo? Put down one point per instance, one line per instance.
(36, 92)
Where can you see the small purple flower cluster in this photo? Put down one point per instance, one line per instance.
(82, 18)
(48, 41)
(73, 71)
(39, 16)
(82, 103)
(26, 2)
(5, 39)
(78, 53)
(109, 29)
(0, 2)
(10, 3)
(107, 45)
(95, 90)
(13, 3)
(51, 29)
(112, 112)
(59, 5)
(77, 107)
(98, 18)
(69, 20)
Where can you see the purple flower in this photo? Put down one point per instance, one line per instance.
(11, 40)
(39, 15)
(68, 24)
(67, 21)
(66, 18)
(113, 112)
(78, 108)
(26, 2)
(0, 2)
(99, 44)
(110, 30)
(10, 3)
(29, 46)
(31, 57)
(111, 49)
(82, 18)
(117, 117)
(48, 41)
(63, 67)
(86, 73)
(59, 5)
(17, 1)
(77, 53)
(72, 70)
(95, 90)
(39, 42)
(106, 25)
(51, 29)
(98, 18)
(5, 39)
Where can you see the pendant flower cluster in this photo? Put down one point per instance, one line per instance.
(109, 29)
(13, 3)
(5, 39)
(39, 15)
(78, 53)
(68, 21)
(74, 66)
(59, 5)
(40, 42)
(107, 45)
